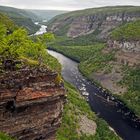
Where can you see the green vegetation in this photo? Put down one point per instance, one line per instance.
(14, 12)
(26, 23)
(17, 45)
(75, 107)
(8, 23)
(132, 81)
(21, 17)
(85, 40)
(129, 31)
(90, 57)
(4, 137)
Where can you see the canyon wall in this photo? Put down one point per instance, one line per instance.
(128, 52)
(31, 104)
(100, 22)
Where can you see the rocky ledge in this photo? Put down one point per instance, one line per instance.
(128, 51)
(31, 104)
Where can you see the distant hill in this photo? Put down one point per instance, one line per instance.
(95, 21)
(47, 14)
(7, 22)
(21, 17)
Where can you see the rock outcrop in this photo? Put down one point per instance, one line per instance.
(128, 51)
(31, 104)
(98, 21)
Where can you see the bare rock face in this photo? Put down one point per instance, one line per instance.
(126, 46)
(128, 51)
(31, 104)
(101, 23)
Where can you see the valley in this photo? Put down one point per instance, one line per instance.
(86, 82)
(106, 109)
(110, 61)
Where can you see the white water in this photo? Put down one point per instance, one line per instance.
(42, 30)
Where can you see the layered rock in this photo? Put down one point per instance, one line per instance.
(31, 104)
(100, 22)
(128, 51)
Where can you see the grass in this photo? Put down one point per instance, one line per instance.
(4, 137)
(129, 31)
(75, 107)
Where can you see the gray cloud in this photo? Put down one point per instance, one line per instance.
(65, 4)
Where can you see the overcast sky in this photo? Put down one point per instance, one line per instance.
(65, 4)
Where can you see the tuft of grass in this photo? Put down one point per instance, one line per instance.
(4, 136)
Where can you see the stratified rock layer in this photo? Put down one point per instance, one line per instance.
(31, 104)
(98, 21)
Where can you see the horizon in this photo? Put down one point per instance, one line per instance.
(69, 5)
(69, 9)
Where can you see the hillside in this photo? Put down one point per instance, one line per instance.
(47, 14)
(128, 32)
(95, 21)
(4, 20)
(21, 17)
(114, 65)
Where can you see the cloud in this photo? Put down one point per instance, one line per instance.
(65, 4)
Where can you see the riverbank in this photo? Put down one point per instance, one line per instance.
(101, 67)
(127, 113)
(105, 109)
(77, 110)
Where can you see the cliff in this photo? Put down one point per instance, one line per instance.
(98, 21)
(31, 104)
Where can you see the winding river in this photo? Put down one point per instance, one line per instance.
(104, 108)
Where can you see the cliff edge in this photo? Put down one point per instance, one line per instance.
(31, 103)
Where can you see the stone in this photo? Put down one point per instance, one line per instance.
(31, 113)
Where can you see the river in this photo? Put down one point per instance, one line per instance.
(105, 109)
(42, 30)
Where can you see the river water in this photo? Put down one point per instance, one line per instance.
(105, 109)
(42, 30)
